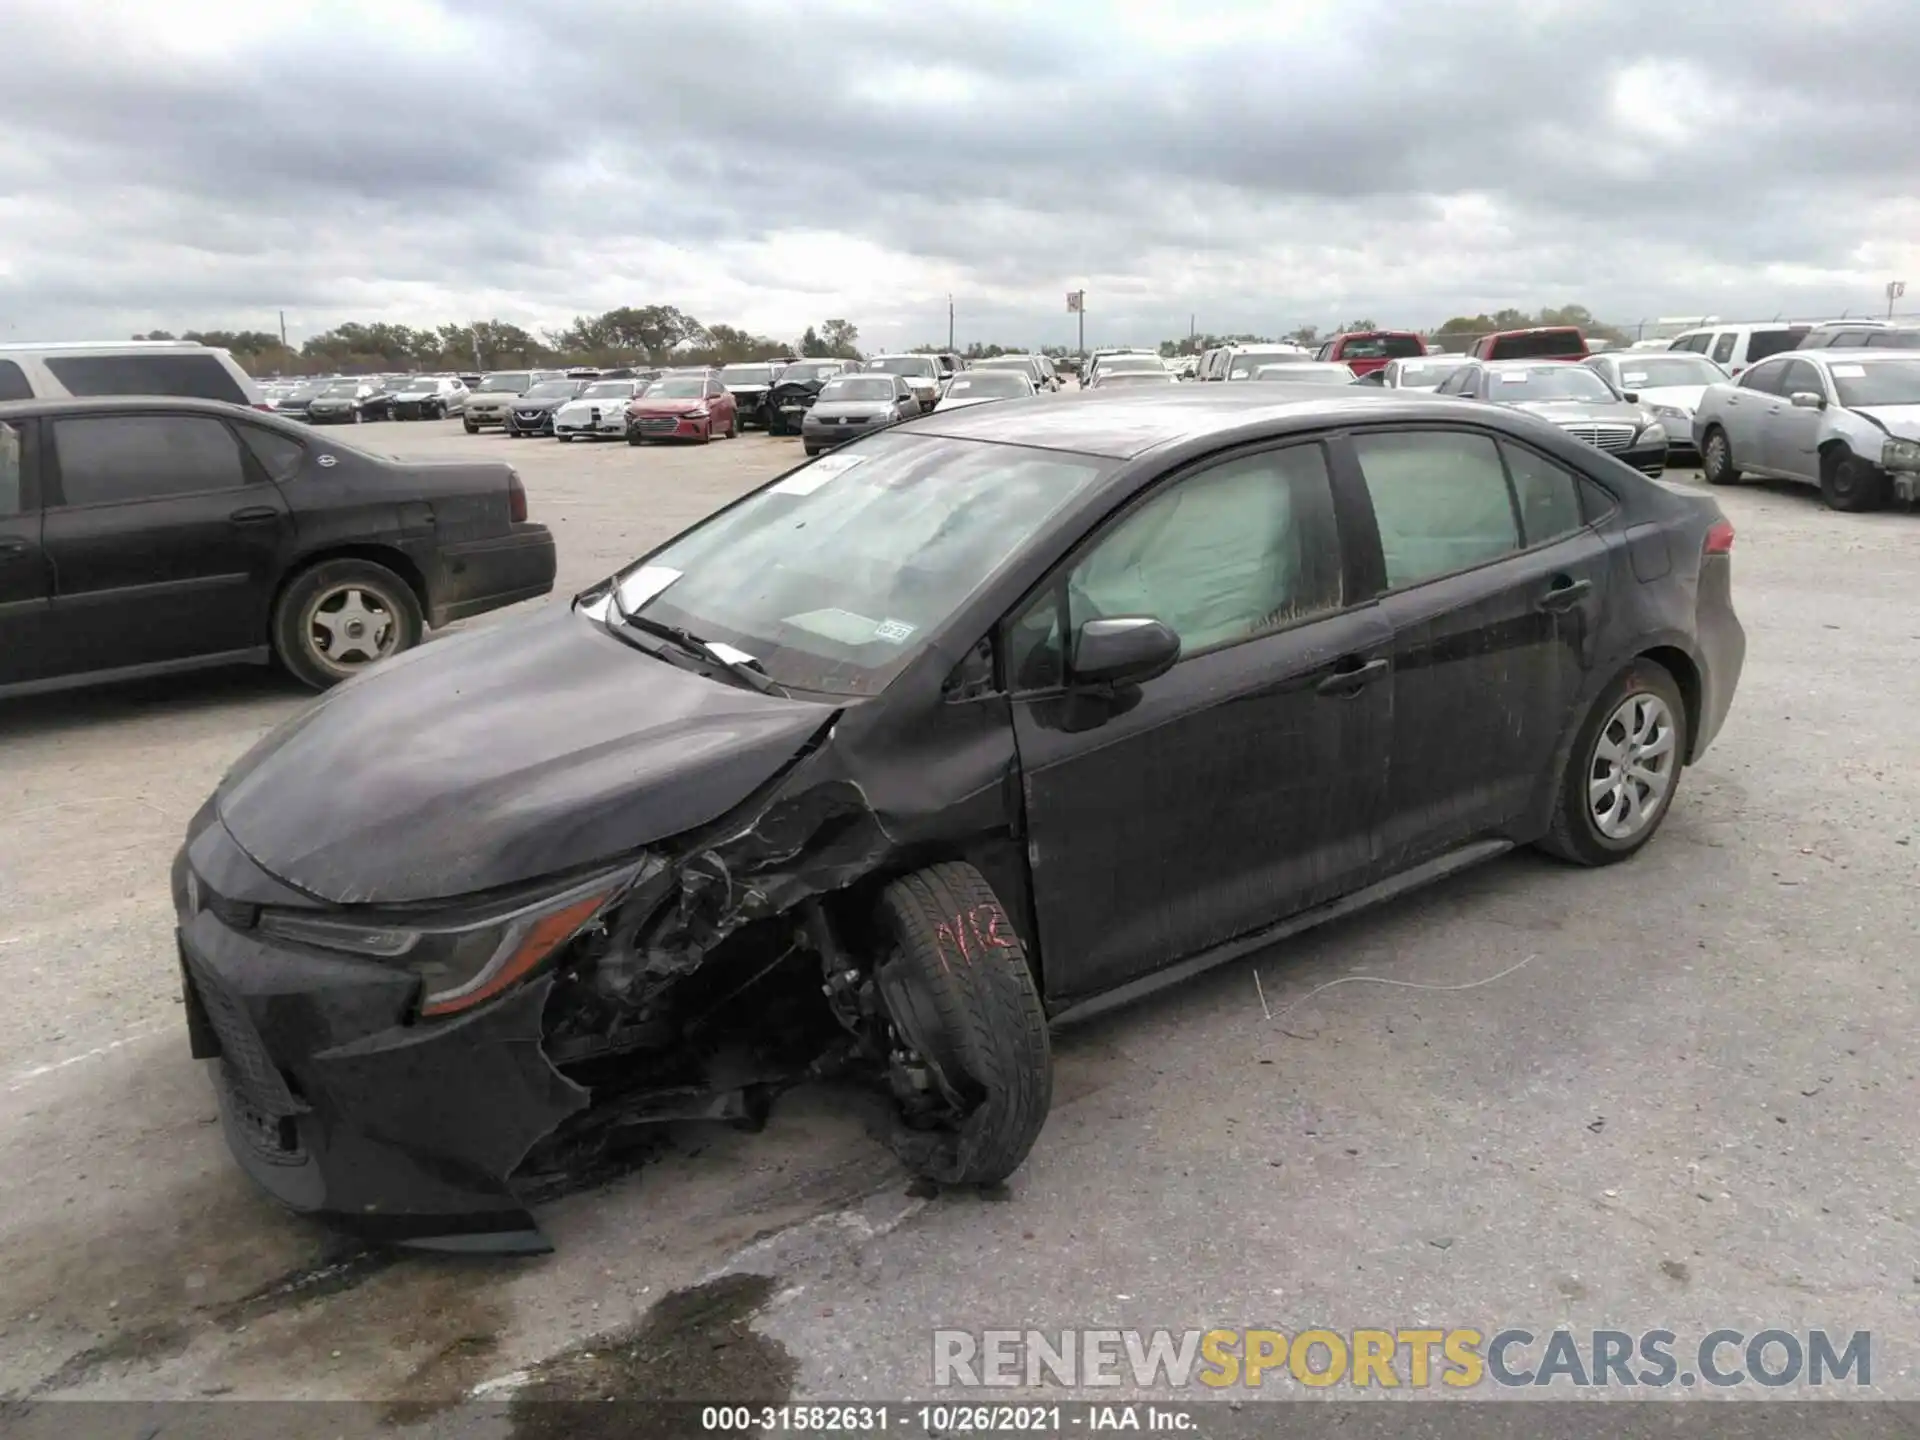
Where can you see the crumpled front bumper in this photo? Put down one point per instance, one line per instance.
(342, 1106)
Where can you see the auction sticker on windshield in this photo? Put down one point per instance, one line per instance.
(805, 482)
(894, 630)
(1849, 372)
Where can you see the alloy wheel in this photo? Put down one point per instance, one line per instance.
(351, 626)
(1631, 771)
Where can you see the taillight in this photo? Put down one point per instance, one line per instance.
(1719, 538)
(517, 502)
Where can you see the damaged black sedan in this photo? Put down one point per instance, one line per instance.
(995, 718)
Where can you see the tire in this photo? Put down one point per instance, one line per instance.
(314, 591)
(733, 426)
(1716, 458)
(634, 438)
(1576, 834)
(957, 987)
(359, 417)
(1851, 484)
(812, 450)
(471, 428)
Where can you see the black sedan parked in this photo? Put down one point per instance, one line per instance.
(532, 412)
(988, 720)
(796, 388)
(139, 536)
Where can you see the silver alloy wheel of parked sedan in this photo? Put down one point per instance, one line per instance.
(352, 625)
(1632, 767)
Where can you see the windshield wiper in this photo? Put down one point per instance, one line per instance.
(748, 674)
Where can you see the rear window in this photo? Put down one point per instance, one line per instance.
(1378, 347)
(200, 376)
(1762, 343)
(1536, 344)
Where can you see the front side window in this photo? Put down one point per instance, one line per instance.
(117, 458)
(1801, 378)
(1440, 500)
(1764, 378)
(834, 576)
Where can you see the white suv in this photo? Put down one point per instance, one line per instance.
(125, 367)
(1734, 347)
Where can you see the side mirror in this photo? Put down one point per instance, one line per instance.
(1124, 649)
(1807, 400)
(1632, 397)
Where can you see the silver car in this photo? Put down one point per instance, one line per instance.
(597, 412)
(1309, 372)
(981, 385)
(1414, 372)
(1572, 397)
(1845, 420)
(1669, 383)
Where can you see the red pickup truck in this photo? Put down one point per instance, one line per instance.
(1543, 342)
(1368, 350)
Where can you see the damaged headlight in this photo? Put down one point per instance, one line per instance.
(1900, 455)
(466, 960)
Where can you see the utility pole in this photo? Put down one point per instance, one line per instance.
(1895, 289)
(1077, 305)
(283, 329)
(949, 322)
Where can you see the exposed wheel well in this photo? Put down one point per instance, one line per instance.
(394, 560)
(1686, 675)
(1829, 449)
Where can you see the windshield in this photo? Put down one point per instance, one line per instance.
(1105, 379)
(547, 389)
(915, 366)
(690, 387)
(1654, 371)
(976, 383)
(343, 387)
(515, 381)
(1307, 374)
(607, 389)
(1885, 382)
(809, 372)
(857, 387)
(1528, 344)
(1247, 362)
(746, 375)
(1006, 362)
(416, 383)
(1377, 347)
(834, 576)
(1547, 382)
(1417, 373)
(1116, 364)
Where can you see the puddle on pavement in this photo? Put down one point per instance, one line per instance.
(694, 1344)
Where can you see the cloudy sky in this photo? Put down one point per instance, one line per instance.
(184, 163)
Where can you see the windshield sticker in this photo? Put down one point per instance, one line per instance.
(597, 609)
(1848, 372)
(730, 654)
(643, 584)
(1517, 377)
(841, 626)
(805, 482)
(893, 631)
(1635, 377)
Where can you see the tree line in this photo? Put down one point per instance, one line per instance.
(629, 335)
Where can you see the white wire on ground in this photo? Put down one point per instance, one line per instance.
(1379, 980)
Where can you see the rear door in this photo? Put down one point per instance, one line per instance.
(25, 578)
(165, 537)
(1243, 784)
(1494, 587)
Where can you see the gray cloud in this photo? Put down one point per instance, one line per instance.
(770, 164)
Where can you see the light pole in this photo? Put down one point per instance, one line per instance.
(949, 322)
(1895, 289)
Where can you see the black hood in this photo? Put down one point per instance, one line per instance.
(801, 387)
(499, 756)
(541, 402)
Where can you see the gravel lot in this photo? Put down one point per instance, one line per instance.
(1691, 1108)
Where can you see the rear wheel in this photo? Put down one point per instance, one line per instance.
(1849, 483)
(1623, 770)
(1716, 458)
(338, 617)
(970, 1063)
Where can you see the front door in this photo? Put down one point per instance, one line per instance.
(165, 543)
(1495, 589)
(1790, 434)
(1240, 786)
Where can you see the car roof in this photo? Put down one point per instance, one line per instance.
(1121, 424)
(1533, 362)
(54, 406)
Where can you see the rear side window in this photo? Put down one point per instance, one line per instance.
(1695, 343)
(1723, 347)
(10, 486)
(111, 459)
(1763, 343)
(1533, 347)
(1547, 494)
(13, 382)
(279, 455)
(200, 376)
(1440, 500)
(1894, 340)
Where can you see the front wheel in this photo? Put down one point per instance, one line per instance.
(1623, 770)
(733, 426)
(338, 617)
(1851, 484)
(471, 428)
(633, 438)
(970, 1063)
(1716, 458)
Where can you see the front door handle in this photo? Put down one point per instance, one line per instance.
(12, 545)
(254, 515)
(1350, 680)
(1565, 594)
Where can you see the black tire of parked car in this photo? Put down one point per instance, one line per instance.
(472, 426)
(1573, 836)
(812, 450)
(296, 650)
(1850, 483)
(733, 426)
(1716, 457)
(958, 989)
(634, 437)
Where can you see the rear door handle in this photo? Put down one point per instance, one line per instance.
(1352, 679)
(1565, 594)
(254, 515)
